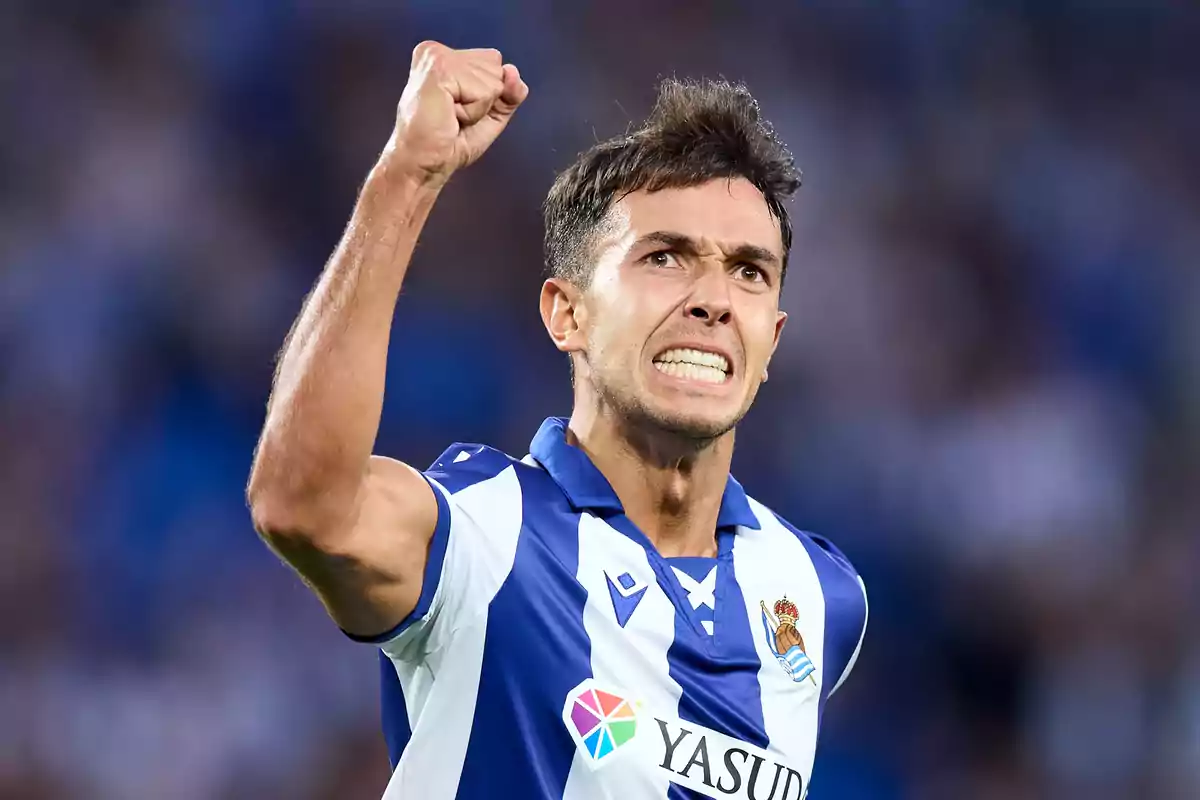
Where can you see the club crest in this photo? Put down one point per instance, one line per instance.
(785, 641)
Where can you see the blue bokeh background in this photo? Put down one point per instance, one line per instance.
(987, 393)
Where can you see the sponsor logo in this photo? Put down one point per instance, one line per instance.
(625, 596)
(600, 722)
(785, 640)
(720, 766)
(606, 725)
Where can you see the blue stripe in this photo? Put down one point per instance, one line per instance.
(396, 730)
(697, 567)
(536, 651)
(480, 463)
(718, 674)
(845, 608)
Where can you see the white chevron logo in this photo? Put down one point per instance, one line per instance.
(700, 593)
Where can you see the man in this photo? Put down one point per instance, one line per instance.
(611, 616)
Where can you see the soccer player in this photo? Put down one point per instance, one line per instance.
(610, 616)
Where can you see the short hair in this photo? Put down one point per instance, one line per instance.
(698, 131)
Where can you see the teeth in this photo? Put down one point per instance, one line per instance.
(694, 372)
(695, 357)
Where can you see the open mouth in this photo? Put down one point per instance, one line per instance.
(695, 365)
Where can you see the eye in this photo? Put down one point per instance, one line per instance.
(661, 258)
(751, 272)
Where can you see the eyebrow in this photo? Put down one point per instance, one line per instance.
(743, 251)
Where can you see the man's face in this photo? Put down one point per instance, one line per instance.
(682, 313)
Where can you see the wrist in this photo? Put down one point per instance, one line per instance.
(407, 191)
(395, 169)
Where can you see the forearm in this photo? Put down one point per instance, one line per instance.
(324, 411)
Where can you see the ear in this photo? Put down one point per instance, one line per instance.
(780, 319)
(563, 314)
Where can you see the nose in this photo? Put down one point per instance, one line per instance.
(710, 299)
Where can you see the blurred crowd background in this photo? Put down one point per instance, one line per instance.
(988, 393)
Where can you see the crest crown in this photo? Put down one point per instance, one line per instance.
(786, 611)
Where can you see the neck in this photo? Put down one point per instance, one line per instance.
(671, 487)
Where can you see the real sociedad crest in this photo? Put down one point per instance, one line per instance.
(785, 640)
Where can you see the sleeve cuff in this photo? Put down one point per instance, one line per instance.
(433, 572)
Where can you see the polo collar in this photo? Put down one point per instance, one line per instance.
(587, 488)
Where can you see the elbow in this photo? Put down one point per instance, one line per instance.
(271, 515)
(278, 510)
(277, 518)
(297, 498)
(275, 492)
(302, 533)
(287, 515)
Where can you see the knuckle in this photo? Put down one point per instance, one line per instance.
(429, 49)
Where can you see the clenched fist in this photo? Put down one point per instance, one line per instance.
(454, 106)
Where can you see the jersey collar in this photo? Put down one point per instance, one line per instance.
(586, 487)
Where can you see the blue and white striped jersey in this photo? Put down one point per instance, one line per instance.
(555, 654)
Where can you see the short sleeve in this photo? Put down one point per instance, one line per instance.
(849, 611)
(470, 553)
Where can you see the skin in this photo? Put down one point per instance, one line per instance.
(693, 267)
(357, 526)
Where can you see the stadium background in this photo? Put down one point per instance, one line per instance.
(988, 392)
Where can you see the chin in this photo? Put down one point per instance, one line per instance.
(691, 418)
(695, 425)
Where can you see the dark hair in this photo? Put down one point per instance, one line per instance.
(698, 131)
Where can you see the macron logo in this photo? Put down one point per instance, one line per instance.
(625, 596)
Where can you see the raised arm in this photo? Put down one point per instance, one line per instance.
(356, 526)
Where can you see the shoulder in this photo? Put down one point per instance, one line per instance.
(825, 554)
(465, 464)
(843, 590)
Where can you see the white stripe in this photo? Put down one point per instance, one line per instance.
(441, 690)
(770, 563)
(862, 634)
(633, 658)
(416, 680)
